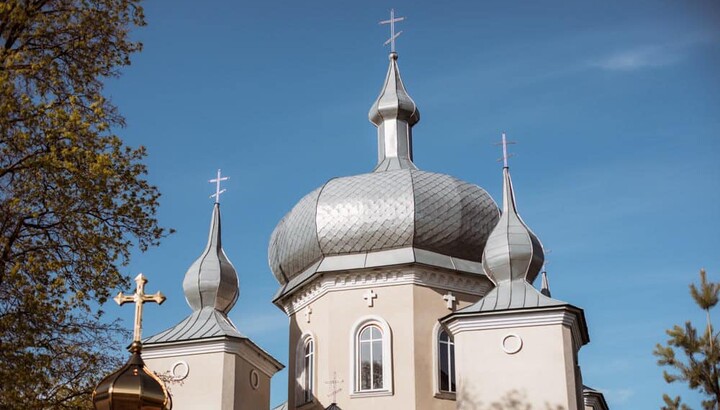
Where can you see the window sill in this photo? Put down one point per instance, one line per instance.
(370, 393)
(445, 395)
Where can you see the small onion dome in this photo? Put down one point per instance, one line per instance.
(393, 101)
(333, 407)
(513, 252)
(132, 387)
(211, 281)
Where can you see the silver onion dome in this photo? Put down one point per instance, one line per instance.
(513, 252)
(512, 258)
(211, 281)
(394, 207)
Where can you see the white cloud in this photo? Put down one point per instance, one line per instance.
(639, 58)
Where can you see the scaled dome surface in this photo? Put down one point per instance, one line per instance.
(395, 206)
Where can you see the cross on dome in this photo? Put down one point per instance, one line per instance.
(505, 156)
(218, 191)
(139, 298)
(393, 35)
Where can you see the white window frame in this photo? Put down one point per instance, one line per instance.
(300, 369)
(437, 329)
(358, 326)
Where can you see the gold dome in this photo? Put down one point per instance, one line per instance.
(132, 387)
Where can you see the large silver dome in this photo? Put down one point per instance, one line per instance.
(381, 211)
(395, 215)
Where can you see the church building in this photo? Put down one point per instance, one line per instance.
(413, 289)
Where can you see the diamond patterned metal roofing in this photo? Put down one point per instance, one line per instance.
(201, 324)
(381, 211)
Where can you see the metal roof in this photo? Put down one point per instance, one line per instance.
(383, 211)
(211, 289)
(512, 258)
(201, 324)
(211, 281)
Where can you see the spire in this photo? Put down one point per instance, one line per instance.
(512, 253)
(211, 281)
(394, 113)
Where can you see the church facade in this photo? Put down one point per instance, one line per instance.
(409, 289)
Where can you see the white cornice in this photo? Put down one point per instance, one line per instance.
(561, 315)
(340, 281)
(241, 347)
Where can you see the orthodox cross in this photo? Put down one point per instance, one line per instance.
(505, 156)
(218, 191)
(139, 298)
(308, 312)
(450, 299)
(393, 35)
(369, 296)
(334, 386)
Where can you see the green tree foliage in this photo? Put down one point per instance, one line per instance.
(694, 358)
(73, 198)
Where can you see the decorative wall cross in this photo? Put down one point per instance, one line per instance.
(505, 156)
(450, 300)
(218, 191)
(393, 35)
(334, 387)
(369, 296)
(139, 298)
(308, 312)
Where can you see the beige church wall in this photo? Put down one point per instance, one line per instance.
(201, 389)
(429, 306)
(252, 386)
(411, 312)
(217, 380)
(333, 316)
(541, 374)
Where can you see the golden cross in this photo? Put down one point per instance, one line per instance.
(139, 298)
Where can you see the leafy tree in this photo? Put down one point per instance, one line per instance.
(73, 198)
(700, 362)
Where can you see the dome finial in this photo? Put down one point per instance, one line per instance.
(211, 281)
(394, 113)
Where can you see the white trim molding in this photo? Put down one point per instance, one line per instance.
(470, 284)
(387, 357)
(240, 347)
(566, 315)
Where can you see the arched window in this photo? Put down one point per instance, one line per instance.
(446, 362)
(371, 363)
(305, 369)
(370, 358)
(308, 362)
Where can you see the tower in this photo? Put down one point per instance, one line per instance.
(526, 342)
(367, 264)
(213, 364)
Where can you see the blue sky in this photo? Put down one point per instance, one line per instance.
(615, 107)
